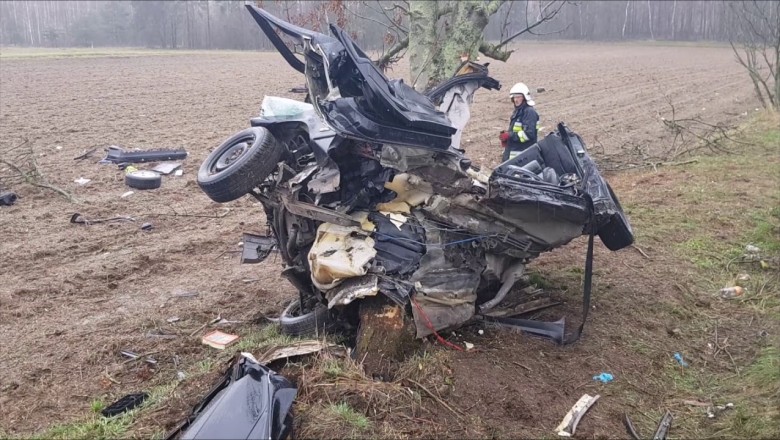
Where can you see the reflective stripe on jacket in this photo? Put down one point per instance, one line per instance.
(523, 128)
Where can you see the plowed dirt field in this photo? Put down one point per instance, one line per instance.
(72, 296)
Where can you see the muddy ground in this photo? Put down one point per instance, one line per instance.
(72, 296)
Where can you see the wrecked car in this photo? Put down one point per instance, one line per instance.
(367, 193)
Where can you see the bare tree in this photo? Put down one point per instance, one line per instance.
(756, 44)
(443, 33)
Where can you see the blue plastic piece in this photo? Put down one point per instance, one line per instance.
(678, 357)
(604, 378)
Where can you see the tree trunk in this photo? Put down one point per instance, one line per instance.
(29, 22)
(386, 336)
(650, 20)
(208, 22)
(436, 51)
(625, 20)
(422, 40)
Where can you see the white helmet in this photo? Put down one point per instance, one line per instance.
(522, 89)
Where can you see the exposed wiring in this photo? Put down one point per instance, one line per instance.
(451, 243)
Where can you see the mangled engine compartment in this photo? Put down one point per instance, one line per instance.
(404, 221)
(367, 192)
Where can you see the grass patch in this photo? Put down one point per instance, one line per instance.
(95, 426)
(352, 418)
(263, 337)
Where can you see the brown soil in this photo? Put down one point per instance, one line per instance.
(72, 296)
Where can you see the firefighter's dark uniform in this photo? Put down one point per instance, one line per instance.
(523, 128)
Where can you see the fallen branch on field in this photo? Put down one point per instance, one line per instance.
(20, 161)
(693, 134)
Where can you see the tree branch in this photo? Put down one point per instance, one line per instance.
(493, 6)
(545, 17)
(387, 58)
(392, 22)
(397, 6)
(441, 11)
(385, 25)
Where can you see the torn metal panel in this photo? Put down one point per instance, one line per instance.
(363, 182)
(395, 289)
(256, 248)
(445, 285)
(404, 158)
(309, 210)
(552, 330)
(456, 104)
(303, 175)
(446, 175)
(496, 234)
(353, 289)
(117, 154)
(326, 180)
(339, 253)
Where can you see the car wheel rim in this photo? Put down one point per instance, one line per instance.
(231, 155)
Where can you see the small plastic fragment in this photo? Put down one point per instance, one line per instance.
(124, 404)
(604, 378)
(678, 357)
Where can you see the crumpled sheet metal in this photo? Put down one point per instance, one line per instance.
(446, 292)
(456, 105)
(338, 253)
(352, 289)
(250, 402)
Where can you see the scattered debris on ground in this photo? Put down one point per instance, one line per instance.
(8, 198)
(569, 424)
(298, 349)
(219, 340)
(124, 404)
(77, 218)
(166, 168)
(86, 155)
(661, 432)
(679, 358)
(143, 179)
(732, 292)
(118, 155)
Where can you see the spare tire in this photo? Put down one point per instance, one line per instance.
(296, 324)
(143, 179)
(239, 164)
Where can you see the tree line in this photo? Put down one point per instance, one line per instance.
(219, 24)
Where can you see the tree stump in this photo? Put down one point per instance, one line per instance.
(386, 336)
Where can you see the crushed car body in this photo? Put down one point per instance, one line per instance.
(367, 192)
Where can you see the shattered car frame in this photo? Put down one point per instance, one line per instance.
(366, 191)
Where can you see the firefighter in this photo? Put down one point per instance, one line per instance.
(523, 125)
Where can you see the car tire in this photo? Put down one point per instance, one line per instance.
(143, 179)
(239, 164)
(617, 233)
(295, 324)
